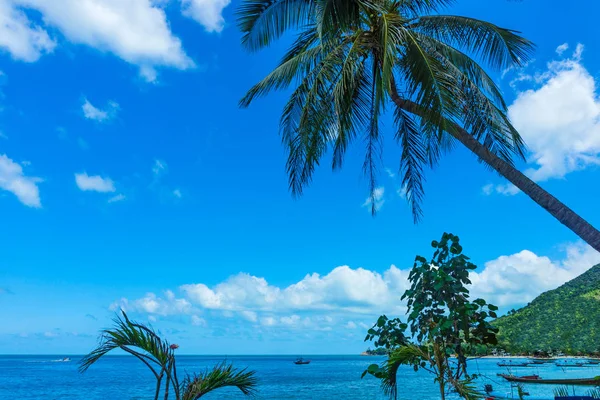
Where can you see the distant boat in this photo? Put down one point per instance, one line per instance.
(592, 362)
(536, 379)
(301, 361)
(572, 364)
(510, 363)
(543, 360)
(66, 359)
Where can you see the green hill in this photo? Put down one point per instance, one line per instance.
(565, 319)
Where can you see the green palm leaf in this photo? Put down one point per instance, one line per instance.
(221, 376)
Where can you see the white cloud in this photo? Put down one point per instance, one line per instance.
(13, 179)
(152, 304)
(94, 183)
(507, 189)
(159, 167)
(402, 192)
(390, 173)
(518, 278)
(97, 114)
(137, 31)
(562, 48)
(177, 193)
(377, 198)
(197, 321)
(21, 38)
(353, 298)
(560, 119)
(343, 289)
(209, 13)
(117, 198)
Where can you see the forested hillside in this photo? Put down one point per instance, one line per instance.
(565, 319)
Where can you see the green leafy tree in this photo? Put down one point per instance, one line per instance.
(445, 325)
(354, 59)
(158, 355)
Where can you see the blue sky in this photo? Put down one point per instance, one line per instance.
(130, 178)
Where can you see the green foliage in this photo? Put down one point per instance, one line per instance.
(158, 355)
(352, 59)
(444, 323)
(380, 351)
(566, 319)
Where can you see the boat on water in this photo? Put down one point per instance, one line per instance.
(66, 359)
(512, 363)
(301, 361)
(595, 381)
(592, 362)
(570, 364)
(542, 360)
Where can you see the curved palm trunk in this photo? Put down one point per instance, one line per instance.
(559, 210)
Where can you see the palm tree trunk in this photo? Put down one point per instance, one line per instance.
(559, 210)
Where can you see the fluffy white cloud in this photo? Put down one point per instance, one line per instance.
(14, 180)
(562, 48)
(154, 305)
(209, 13)
(377, 198)
(97, 114)
(353, 298)
(560, 119)
(135, 30)
(20, 37)
(94, 183)
(177, 193)
(518, 278)
(343, 289)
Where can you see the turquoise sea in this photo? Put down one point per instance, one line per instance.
(326, 377)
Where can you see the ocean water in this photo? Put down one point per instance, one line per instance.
(326, 377)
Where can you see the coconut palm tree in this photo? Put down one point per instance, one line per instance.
(354, 59)
(158, 355)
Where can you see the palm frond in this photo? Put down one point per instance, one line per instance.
(262, 21)
(415, 8)
(404, 355)
(352, 100)
(466, 389)
(373, 139)
(412, 159)
(308, 123)
(300, 61)
(222, 375)
(429, 84)
(498, 47)
(133, 338)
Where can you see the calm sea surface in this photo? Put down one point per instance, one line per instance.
(326, 377)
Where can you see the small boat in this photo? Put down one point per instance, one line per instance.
(592, 362)
(301, 361)
(572, 364)
(542, 360)
(510, 363)
(536, 379)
